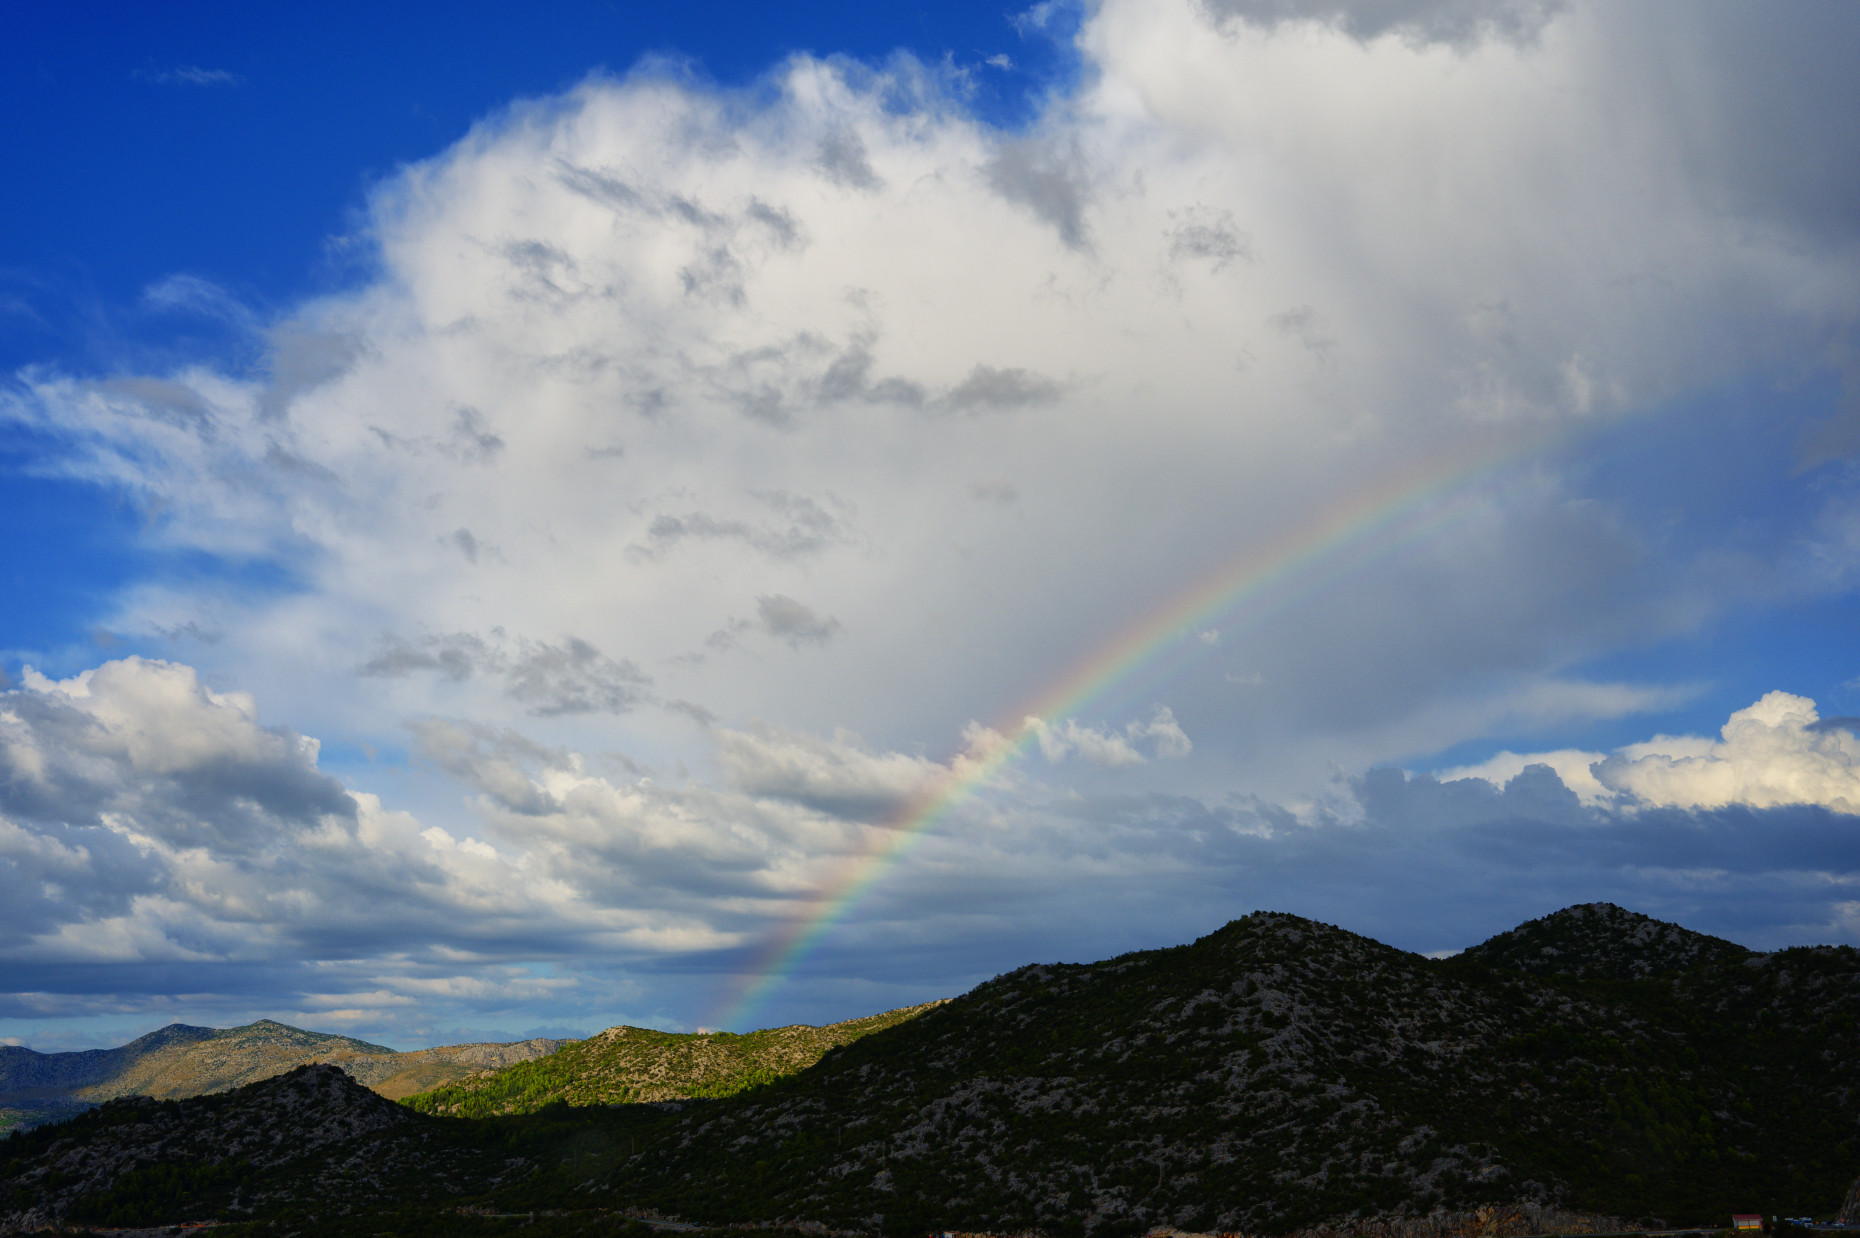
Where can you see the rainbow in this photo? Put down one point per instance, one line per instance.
(1398, 509)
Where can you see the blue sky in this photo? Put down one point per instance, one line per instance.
(501, 508)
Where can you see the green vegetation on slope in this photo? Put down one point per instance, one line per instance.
(631, 1065)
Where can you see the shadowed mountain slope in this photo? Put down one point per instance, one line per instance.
(633, 1064)
(1281, 1072)
(88, 1168)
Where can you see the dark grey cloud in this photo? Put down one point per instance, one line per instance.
(987, 389)
(1046, 180)
(788, 620)
(455, 656)
(780, 223)
(549, 679)
(727, 238)
(542, 272)
(1208, 235)
(1458, 23)
(469, 439)
(604, 187)
(494, 761)
(301, 357)
(1304, 324)
(572, 677)
(1769, 99)
(782, 618)
(472, 441)
(164, 400)
(467, 544)
(717, 275)
(536, 257)
(843, 160)
(277, 456)
(849, 377)
(805, 526)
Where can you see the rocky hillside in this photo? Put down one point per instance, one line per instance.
(179, 1061)
(624, 1065)
(1280, 1073)
(1599, 941)
(81, 1169)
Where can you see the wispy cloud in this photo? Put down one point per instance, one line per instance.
(189, 75)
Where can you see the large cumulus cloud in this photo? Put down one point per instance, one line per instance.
(671, 396)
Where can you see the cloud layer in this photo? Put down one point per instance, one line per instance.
(152, 829)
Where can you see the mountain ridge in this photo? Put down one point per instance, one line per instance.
(1276, 1076)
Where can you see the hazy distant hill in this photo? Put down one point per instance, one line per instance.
(179, 1061)
(1276, 1075)
(634, 1064)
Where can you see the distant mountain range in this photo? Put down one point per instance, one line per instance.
(1591, 1069)
(179, 1061)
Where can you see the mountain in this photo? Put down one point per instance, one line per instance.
(178, 1061)
(1280, 1073)
(120, 1163)
(1274, 1077)
(1599, 941)
(634, 1064)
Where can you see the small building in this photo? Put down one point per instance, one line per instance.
(1746, 1220)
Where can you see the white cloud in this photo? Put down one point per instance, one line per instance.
(1773, 754)
(813, 320)
(1769, 754)
(1571, 765)
(1103, 748)
(1110, 749)
(840, 774)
